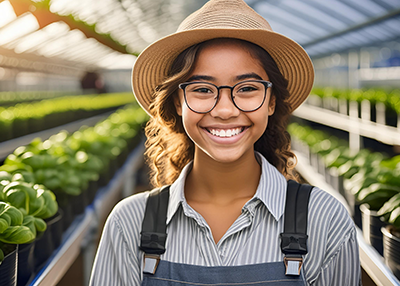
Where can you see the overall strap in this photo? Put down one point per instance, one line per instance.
(154, 235)
(294, 236)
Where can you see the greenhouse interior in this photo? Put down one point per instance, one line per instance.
(73, 135)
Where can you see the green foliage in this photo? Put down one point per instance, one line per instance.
(68, 162)
(41, 109)
(8, 98)
(374, 95)
(63, 163)
(369, 176)
(34, 200)
(12, 227)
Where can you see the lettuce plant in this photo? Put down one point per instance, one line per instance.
(13, 228)
(31, 200)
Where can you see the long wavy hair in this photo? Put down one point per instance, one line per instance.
(169, 149)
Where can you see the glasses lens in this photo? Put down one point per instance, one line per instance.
(201, 97)
(249, 95)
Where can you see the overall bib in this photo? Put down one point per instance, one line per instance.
(157, 272)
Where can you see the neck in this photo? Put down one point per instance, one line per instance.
(210, 180)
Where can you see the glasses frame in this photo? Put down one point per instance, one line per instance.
(266, 84)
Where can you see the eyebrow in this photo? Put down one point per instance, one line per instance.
(202, 77)
(251, 75)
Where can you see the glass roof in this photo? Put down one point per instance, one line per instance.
(88, 34)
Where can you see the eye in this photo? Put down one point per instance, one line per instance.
(247, 88)
(202, 90)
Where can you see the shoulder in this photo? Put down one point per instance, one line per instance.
(131, 209)
(327, 212)
(127, 216)
(330, 228)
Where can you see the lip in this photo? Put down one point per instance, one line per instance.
(231, 126)
(225, 140)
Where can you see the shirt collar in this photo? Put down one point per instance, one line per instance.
(271, 190)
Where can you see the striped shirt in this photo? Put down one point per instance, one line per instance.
(332, 257)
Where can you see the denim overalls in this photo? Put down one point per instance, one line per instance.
(157, 272)
(176, 274)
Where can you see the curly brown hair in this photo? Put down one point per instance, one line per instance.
(169, 149)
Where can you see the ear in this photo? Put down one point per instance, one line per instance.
(271, 105)
(178, 105)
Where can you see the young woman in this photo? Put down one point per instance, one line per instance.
(220, 91)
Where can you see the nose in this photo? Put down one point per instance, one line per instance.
(225, 107)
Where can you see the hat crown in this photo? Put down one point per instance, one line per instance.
(224, 14)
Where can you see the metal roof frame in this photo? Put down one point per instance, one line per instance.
(124, 26)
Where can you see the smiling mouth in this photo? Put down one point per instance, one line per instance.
(224, 133)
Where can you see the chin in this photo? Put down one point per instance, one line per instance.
(225, 156)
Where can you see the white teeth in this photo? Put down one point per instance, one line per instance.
(226, 133)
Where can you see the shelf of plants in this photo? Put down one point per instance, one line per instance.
(368, 183)
(82, 227)
(26, 118)
(45, 186)
(372, 113)
(8, 98)
(8, 147)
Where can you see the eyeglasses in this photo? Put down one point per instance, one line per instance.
(247, 96)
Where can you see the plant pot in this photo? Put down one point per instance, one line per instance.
(391, 250)
(68, 217)
(104, 177)
(78, 203)
(20, 127)
(35, 124)
(122, 157)
(55, 227)
(26, 263)
(113, 166)
(8, 268)
(92, 190)
(43, 248)
(66, 207)
(371, 227)
(52, 120)
(6, 131)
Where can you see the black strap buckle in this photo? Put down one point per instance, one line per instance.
(153, 242)
(294, 243)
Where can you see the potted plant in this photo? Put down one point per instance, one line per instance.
(391, 234)
(36, 203)
(14, 230)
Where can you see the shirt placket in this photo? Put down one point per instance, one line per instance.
(229, 245)
(205, 241)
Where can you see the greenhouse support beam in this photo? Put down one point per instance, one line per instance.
(370, 22)
(41, 11)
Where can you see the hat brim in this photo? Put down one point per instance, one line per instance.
(153, 64)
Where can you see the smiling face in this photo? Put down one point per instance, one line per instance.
(225, 134)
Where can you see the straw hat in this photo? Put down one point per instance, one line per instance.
(223, 19)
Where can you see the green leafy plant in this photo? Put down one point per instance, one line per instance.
(369, 176)
(32, 200)
(391, 98)
(14, 227)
